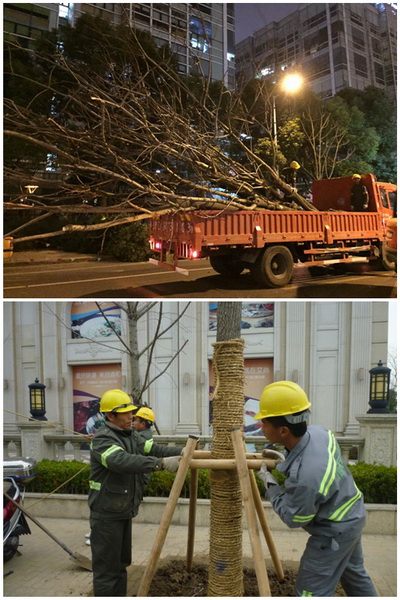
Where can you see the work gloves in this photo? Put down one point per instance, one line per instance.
(171, 463)
(266, 476)
(273, 454)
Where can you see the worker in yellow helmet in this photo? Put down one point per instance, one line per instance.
(118, 462)
(319, 495)
(290, 173)
(359, 194)
(143, 421)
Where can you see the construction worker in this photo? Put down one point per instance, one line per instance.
(319, 495)
(143, 420)
(359, 194)
(290, 173)
(118, 461)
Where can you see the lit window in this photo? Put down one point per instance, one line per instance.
(200, 35)
(63, 10)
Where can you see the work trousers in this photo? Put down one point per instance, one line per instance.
(111, 545)
(326, 561)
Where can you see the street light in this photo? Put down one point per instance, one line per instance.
(290, 83)
(379, 389)
(37, 400)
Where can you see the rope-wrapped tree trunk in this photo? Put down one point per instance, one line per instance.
(225, 570)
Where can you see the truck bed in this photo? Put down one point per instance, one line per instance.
(203, 229)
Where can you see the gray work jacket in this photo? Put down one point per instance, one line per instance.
(319, 494)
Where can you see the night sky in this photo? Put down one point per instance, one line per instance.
(251, 17)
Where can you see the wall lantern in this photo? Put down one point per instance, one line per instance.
(379, 389)
(31, 189)
(37, 400)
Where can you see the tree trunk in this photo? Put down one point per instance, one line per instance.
(135, 378)
(225, 569)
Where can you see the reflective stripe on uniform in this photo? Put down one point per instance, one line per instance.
(106, 454)
(94, 485)
(330, 472)
(148, 446)
(342, 510)
(301, 519)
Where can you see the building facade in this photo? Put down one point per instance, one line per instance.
(201, 35)
(334, 46)
(327, 347)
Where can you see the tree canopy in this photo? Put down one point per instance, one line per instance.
(101, 121)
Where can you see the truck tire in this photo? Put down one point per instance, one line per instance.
(274, 267)
(386, 262)
(226, 264)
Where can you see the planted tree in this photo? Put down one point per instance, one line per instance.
(225, 569)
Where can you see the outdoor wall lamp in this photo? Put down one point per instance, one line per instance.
(379, 389)
(37, 400)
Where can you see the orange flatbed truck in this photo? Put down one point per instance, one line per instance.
(270, 243)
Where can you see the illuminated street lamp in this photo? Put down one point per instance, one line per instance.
(290, 83)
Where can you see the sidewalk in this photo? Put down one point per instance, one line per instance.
(45, 570)
(41, 257)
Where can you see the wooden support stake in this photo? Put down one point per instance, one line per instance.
(207, 454)
(247, 496)
(167, 517)
(194, 477)
(265, 527)
(226, 464)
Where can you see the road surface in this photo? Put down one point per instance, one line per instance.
(143, 280)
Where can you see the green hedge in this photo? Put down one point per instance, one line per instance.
(378, 483)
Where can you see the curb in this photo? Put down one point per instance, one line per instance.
(55, 261)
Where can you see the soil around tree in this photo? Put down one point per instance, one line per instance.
(172, 579)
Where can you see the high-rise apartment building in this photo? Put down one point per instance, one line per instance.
(202, 35)
(333, 45)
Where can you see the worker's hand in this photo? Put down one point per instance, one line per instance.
(171, 463)
(266, 476)
(274, 454)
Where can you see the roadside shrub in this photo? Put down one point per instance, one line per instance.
(52, 473)
(128, 243)
(377, 482)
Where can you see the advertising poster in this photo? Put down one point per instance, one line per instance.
(258, 372)
(255, 315)
(89, 384)
(87, 321)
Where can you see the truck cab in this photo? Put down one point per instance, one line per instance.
(335, 194)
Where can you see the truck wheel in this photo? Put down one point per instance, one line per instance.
(226, 264)
(385, 261)
(274, 267)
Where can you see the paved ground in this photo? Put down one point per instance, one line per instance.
(44, 569)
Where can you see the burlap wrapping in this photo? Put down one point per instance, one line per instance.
(225, 570)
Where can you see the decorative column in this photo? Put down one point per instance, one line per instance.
(187, 418)
(295, 342)
(360, 361)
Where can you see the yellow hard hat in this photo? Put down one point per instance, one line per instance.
(356, 176)
(116, 401)
(294, 164)
(282, 398)
(145, 413)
